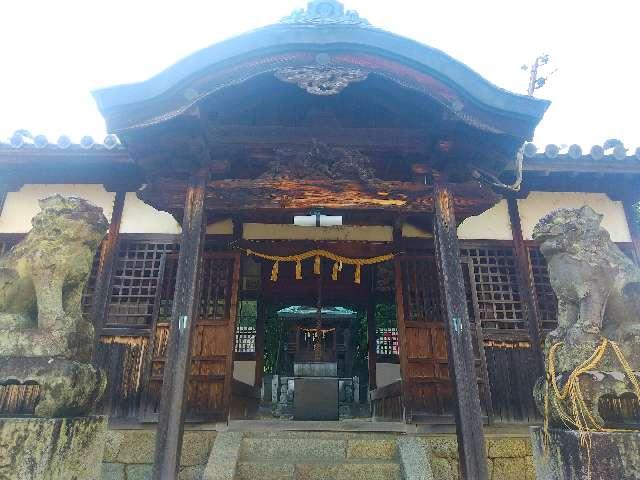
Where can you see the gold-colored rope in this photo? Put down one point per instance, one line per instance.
(338, 260)
(579, 416)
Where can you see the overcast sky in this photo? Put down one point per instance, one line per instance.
(54, 53)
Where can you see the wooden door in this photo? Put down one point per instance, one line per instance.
(426, 385)
(210, 380)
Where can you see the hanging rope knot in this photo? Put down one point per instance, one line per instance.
(274, 271)
(334, 272)
(298, 270)
(316, 265)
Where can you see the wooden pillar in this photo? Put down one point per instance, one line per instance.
(260, 334)
(183, 317)
(471, 444)
(108, 256)
(634, 229)
(3, 195)
(372, 338)
(528, 290)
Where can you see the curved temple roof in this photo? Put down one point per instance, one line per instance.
(323, 40)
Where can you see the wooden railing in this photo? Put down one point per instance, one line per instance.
(245, 400)
(386, 402)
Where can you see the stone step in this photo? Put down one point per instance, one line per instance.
(312, 469)
(319, 446)
(290, 448)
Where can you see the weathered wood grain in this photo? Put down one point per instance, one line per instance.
(108, 255)
(471, 444)
(528, 289)
(185, 311)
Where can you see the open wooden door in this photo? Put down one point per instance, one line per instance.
(426, 385)
(211, 376)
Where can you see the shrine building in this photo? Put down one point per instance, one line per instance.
(319, 221)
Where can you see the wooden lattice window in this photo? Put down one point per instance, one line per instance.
(421, 291)
(245, 339)
(7, 241)
(4, 247)
(387, 341)
(214, 300)
(246, 328)
(135, 282)
(498, 290)
(546, 300)
(88, 293)
(384, 278)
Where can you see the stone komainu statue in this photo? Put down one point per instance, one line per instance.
(598, 292)
(43, 337)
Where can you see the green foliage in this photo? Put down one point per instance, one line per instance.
(273, 340)
(247, 313)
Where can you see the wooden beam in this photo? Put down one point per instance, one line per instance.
(276, 136)
(183, 319)
(578, 166)
(108, 256)
(632, 222)
(275, 195)
(528, 290)
(471, 443)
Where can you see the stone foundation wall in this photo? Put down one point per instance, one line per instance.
(51, 448)
(129, 454)
(509, 458)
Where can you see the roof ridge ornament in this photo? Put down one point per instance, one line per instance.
(325, 12)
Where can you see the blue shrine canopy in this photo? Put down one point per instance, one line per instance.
(300, 312)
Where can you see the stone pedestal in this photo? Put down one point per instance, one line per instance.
(52, 448)
(316, 398)
(613, 455)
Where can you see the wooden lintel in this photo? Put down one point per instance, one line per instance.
(580, 166)
(471, 443)
(108, 256)
(525, 272)
(472, 198)
(183, 319)
(276, 136)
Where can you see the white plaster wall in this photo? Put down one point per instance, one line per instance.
(539, 204)
(411, 231)
(21, 206)
(138, 217)
(493, 224)
(387, 373)
(245, 371)
(222, 227)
